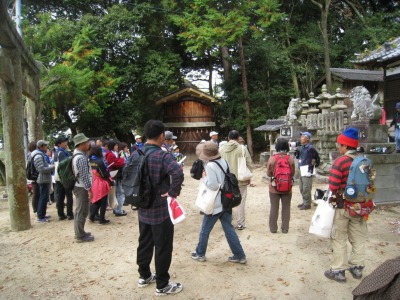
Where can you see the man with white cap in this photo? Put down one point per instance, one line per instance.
(138, 145)
(43, 166)
(214, 137)
(83, 187)
(168, 142)
(308, 156)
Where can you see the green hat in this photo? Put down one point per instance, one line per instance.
(79, 139)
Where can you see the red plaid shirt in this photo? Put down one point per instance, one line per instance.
(163, 169)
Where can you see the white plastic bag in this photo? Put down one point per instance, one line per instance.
(243, 171)
(205, 199)
(322, 220)
(176, 212)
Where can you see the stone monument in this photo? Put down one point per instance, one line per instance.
(292, 128)
(373, 137)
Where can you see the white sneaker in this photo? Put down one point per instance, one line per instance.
(171, 288)
(143, 282)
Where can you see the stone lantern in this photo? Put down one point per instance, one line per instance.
(325, 99)
(338, 101)
(304, 106)
(313, 105)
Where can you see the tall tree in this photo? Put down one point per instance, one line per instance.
(324, 8)
(210, 24)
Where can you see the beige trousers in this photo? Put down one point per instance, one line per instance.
(355, 230)
(241, 217)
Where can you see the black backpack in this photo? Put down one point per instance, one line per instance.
(136, 182)
(196, 171)
(31, 172)
(230, 193)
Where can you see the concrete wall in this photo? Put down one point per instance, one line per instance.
(387, 180)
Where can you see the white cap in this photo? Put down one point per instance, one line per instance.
(137, 137)
(213, 133)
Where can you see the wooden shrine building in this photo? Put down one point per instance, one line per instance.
(189, 114)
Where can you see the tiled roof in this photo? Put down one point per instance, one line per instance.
(272, 125)
(354, 74)
(386, 52)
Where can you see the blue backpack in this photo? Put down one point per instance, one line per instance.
(360, 183)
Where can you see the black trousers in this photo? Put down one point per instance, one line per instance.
(99, 204)
(158, 239)
(60, 193)
(35, 196)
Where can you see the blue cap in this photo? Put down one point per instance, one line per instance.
(398, 105)
(306, 133)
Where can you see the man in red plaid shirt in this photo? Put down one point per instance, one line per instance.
(155, 227)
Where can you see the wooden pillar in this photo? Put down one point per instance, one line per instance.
(12, 109)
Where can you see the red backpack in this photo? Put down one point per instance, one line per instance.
(283, 174)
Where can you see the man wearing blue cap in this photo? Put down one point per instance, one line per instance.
(396, 123)
(308, 157)
(346, 226)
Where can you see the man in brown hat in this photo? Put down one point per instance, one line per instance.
(83, 187)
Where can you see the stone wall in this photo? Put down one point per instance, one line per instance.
(325, 143)
(387, 180)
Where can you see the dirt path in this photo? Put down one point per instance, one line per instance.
(46, 263)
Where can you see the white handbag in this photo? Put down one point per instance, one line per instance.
(322, 220)
(205, 199)
(243, 171)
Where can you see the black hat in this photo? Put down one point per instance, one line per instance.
(61, 139)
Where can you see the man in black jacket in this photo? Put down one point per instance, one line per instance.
(307, 160)
(59, 190)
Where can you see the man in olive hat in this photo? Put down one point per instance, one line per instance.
(83, 187)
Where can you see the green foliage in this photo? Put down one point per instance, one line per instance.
(106, 62)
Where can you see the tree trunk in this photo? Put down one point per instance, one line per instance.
(291, 66)
(324, 7)
(12, 110)
(226, 63)
(210, 76)
(324, 29)
(245, 97)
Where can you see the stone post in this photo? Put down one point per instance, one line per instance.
(13, 113)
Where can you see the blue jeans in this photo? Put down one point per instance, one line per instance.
(397, 138)
(230, 234)
(44, 189)
(120, 195)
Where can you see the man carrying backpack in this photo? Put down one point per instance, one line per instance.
(156, 231)
(83, 187)
(43, 166)
(59, 191)
(346, 225)
(231, 153)
(307, 157)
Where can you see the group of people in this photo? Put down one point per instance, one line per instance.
(93, 165)
(346, 225)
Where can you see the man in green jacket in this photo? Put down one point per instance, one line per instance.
(231, 151)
